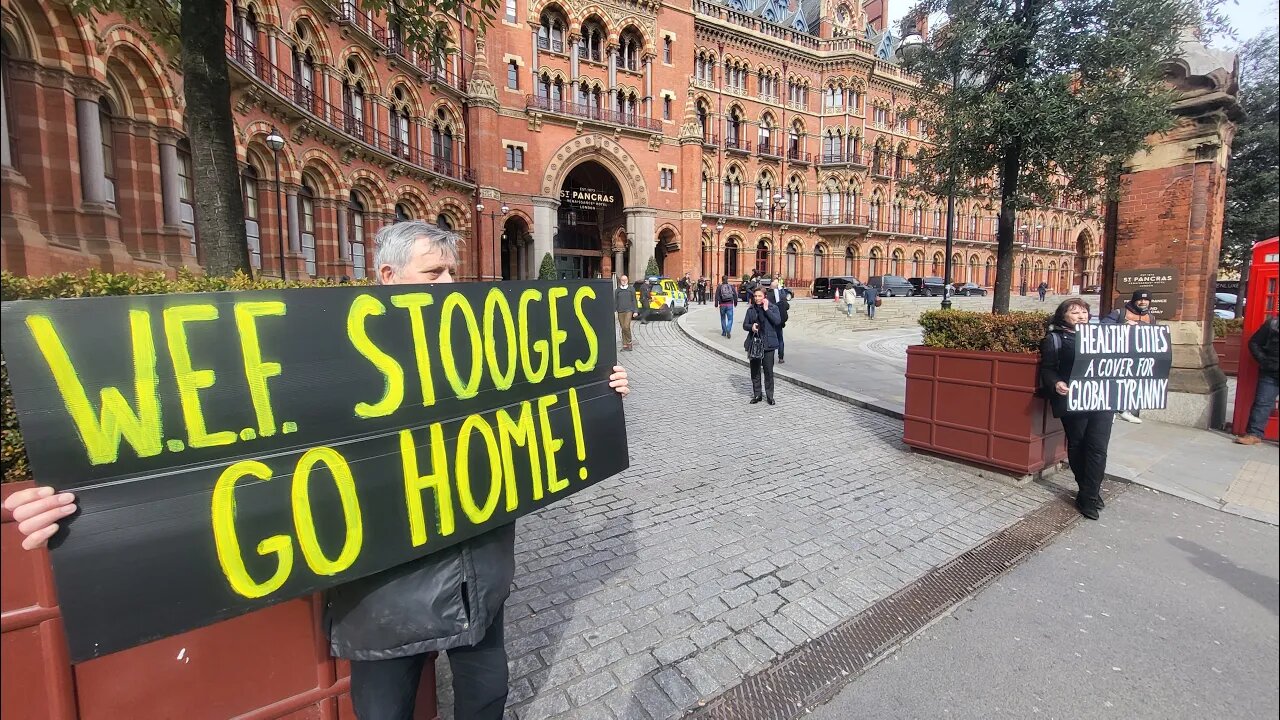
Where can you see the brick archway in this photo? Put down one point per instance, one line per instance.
(611, 155)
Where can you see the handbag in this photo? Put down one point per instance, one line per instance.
(877, 302)
(755, 346)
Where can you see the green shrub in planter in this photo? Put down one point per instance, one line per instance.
(1222, 328)
(547, 271)
(1018, 332)
(13, 456)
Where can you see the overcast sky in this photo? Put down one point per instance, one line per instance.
(1248, 17)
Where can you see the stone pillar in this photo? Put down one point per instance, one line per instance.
(293, 219)
(93, 171)
(545, 224)
(648, 87)
(1169, 215)
(344, 252)
(6, 160)
(575, 51)
(641, 224)
(170, 182)
(613, 78)
(533, 63)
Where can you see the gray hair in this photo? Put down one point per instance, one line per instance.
(393, 245)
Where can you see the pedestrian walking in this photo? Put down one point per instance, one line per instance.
(872, 298)
(850, 297)
(1022, 288)
(763, 323)
(1088, 433)
(779, 297)
(1043, 289)
(387, 624)
(727, 299)
(1264, 346)
(624, 302)
(646, 301)
(1135, 312)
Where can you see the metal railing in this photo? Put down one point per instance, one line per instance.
(256, 65)
(350, 12)
(591, 112)
(842, 158)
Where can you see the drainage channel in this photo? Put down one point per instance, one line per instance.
(812, 673)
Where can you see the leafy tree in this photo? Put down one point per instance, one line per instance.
(195, 32)
(652, 268)
(547, 271)
(1033, 101)
(1253, 211)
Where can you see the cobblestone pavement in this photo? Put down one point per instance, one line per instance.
(739, 532)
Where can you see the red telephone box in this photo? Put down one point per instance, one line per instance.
(1262, 303)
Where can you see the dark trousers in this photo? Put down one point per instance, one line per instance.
(757, 365)
(1088, 435)
(1264, 399)
(781, 353)
(387, 689)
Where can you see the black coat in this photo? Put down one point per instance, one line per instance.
(770, 323)
(418, 607)
(1056, 359)
(1264, 346)
(784, 304)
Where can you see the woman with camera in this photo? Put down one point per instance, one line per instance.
(763, 323)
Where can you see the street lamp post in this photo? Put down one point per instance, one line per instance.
(780, 203)
(913, 46)
(493, 235)
(275, 141)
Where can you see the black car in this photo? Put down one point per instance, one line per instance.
(890, 285)
(969, 290)
(829, 287)
(926, 286)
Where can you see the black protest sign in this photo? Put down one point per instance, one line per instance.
(232, 450)
(1120, 367)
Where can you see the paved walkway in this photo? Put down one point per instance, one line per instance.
(1159, 610)
(867, 369)
(739, 532)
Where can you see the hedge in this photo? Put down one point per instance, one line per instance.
(13, 456)
(1018, 332)
(1222, 327)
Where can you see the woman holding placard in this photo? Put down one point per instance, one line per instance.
(1088, 433)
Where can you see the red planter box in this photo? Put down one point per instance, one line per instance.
(980, 407)
(272, 663)
(1228, 350)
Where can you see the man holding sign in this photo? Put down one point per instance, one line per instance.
(386, 622)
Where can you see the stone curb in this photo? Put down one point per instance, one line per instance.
(795, 378)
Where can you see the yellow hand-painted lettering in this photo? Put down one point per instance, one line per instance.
(190, 380)
(361, 308)
(227, 543)
(256, 371)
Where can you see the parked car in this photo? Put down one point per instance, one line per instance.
(890, 285)
(926, 286)
(968, 289)
(666, 298)
(828, 287)
(1224, 305)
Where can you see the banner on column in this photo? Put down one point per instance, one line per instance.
(1120, 368)
(232, 450)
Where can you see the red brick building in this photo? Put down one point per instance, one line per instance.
(715, 138)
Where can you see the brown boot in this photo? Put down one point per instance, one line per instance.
(1247, 440)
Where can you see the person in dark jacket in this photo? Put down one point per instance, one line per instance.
(387, 623)
(1042, 289)
(1088, 433)
(764, 319)
(781, 297)
(869, 296)
(646, 301)
(1264, 346)
(726, 300)
(624, 303)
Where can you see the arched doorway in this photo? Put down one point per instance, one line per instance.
(1085, 271)
(667, 251)
(589, 213)
(762, 257)
(517, 245)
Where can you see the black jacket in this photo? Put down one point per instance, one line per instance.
(1264, 346)
(1056, 359)
(770, 324)
(784, 304)
(420, 606)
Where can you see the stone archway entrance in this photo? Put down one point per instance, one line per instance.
(517, 247)
(1086, 263)
(589, 216)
